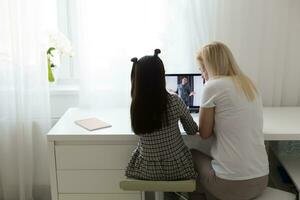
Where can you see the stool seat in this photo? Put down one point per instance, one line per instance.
(275, 194)
(158, 186)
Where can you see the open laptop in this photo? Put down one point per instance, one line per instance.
(188, 87)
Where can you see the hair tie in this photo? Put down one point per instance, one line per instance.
(156, 52)
(134, 60)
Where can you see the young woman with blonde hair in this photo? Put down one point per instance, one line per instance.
(230, 113)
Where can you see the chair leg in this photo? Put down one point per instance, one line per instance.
(159, 196)
(181, 196)
(143, 195)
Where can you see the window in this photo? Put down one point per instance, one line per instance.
(136, 26)
(67, 70)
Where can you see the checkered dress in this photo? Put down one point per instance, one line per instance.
(162, 155)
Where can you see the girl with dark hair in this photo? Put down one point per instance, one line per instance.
(161, 153)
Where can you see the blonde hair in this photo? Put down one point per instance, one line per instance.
(218, 60)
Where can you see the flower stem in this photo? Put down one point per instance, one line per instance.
(50, 74)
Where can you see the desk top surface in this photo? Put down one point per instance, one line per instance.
(280, 123)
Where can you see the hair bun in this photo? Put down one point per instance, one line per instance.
(134, 60)
(156, 52)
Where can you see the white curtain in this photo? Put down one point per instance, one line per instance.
(24, 99)
(263, 35)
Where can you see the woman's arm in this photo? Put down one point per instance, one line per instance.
(206, 122)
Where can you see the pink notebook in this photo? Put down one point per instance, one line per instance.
(92, 124)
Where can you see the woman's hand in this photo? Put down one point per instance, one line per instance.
(206, 122)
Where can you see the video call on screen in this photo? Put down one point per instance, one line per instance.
(187, 86)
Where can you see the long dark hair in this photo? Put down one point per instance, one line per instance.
(149, 95)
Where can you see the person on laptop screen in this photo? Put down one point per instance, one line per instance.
(184, 91)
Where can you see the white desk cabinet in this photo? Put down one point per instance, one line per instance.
(89, 165)
(89, 170)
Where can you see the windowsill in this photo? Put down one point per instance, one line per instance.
(64, 87)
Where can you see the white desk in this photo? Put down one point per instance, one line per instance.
(282, 123)
(89, 165)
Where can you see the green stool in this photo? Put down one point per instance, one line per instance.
(158, 186)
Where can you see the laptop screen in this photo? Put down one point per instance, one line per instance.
(187, 86)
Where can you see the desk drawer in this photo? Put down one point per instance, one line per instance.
(90, 181)
(99, 196)
(93, 156)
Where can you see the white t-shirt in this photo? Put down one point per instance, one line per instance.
(238, 148)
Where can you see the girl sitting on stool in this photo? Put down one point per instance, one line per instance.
(161, 153)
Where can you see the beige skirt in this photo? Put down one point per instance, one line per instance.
(208, 184)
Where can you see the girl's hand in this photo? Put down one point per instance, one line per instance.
(192, 93)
